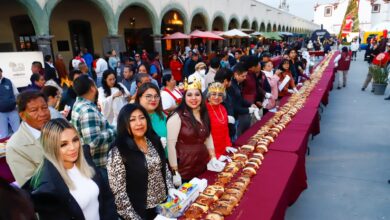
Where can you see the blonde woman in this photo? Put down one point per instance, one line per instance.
(67, 185)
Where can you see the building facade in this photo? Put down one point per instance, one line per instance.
(65, 26)
(380, 14)
(331, 15)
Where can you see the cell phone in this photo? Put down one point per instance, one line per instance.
(67, 108)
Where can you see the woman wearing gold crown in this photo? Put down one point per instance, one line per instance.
(218, 118)
(190, 145)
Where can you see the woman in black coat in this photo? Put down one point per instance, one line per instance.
(67, 185)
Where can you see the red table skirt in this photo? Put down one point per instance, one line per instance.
(5, 172)
(317, 53)
(268, 194)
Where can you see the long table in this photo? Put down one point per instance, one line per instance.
(282, 175)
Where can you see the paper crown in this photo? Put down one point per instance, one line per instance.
(216, 87)
(195, 84)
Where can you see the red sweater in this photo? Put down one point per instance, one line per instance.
(219, 128)
(176, 68)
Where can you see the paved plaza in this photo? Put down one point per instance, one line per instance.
(349, 163)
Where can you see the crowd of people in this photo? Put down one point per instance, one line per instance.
(114, 138)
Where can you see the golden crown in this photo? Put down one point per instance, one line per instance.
(195, 84)
(216, 87)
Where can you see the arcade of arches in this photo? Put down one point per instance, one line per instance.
(28, 25)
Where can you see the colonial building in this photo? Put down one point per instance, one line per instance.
(380, 17)
(65, 26)
(331, 15)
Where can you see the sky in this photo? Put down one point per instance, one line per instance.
(300, 8)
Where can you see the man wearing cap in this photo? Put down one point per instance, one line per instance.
(199, 74)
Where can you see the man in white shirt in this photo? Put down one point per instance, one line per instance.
(101, 66)
(24, 152)
(199, 74)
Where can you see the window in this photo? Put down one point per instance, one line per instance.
(376, 8)
(328, 11)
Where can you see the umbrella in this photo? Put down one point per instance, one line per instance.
(177, 36)
(256, 33)
(286, 34)
(234, 33)
(205, 35)
(271, 35)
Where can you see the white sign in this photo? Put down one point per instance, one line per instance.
(16, 66)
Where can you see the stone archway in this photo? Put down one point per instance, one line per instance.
(262, 27)
(255, 25)
(200, 20)
(233, 22)
(136, 25)
(85, 27)
(219, 22)
(274, 28)
(18, 32)
(279, 28)
(180, 14)
(269, 27)
(245, 24)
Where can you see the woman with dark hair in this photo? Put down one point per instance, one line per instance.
(286, 79)
(148, 96)
(190, 145)
(67, 185)
(137, 170)
(170, 95)
(112, 96)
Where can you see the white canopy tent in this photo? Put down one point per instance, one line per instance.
(234, 33)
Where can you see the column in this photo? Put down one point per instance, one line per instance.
(44, 44)
(115, 42)
(157, 44)
(158, 48)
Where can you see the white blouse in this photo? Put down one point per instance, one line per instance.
(167, 100)
(86, 194)
(110, 105)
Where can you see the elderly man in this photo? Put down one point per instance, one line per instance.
(24, 151)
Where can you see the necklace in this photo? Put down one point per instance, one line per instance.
(221, 121)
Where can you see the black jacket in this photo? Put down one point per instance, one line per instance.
(240, 105)
(52, 199)
(137, 170)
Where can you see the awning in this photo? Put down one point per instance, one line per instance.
(256, 34)
(205, 35)
(286, 33)
(271, 35)
(177, 36)
(234, 33)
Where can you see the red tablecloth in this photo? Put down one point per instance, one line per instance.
(317, 53)
(268, 194)
(5, 172)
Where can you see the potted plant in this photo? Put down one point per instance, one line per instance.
(379, 76)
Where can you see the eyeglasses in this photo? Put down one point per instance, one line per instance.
(136, 56)
(152, 97)
(216, 94)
